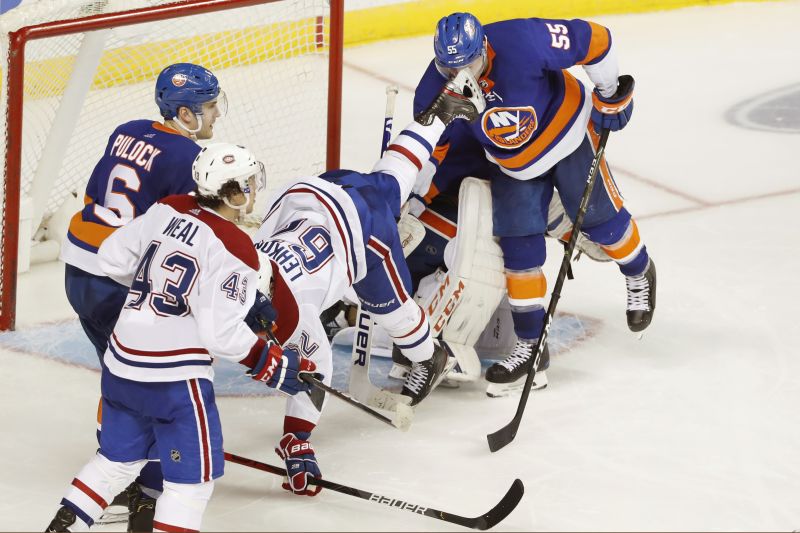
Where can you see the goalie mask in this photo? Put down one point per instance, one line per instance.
(220, 163)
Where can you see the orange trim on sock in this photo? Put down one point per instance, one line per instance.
(625, 246)
(526, 285)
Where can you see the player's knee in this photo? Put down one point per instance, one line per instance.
(523, 253)
(610, 231)
(182, 505)
(119, 474)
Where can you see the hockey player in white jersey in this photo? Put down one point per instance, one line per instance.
(324, 234)
(192, 276)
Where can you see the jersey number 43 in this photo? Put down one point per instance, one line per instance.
(169, 300)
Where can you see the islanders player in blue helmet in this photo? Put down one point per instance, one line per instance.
(540, 130)
(143, 162)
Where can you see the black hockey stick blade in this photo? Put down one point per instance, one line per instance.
(486, 521)
(499, 512)
(504, 435)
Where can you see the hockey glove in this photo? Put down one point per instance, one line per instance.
(282, 369)
(615, 111)
(301, 464)
(261, 314)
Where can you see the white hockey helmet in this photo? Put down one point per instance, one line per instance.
(219, 163)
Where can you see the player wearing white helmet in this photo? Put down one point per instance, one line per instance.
(324, 234)
(143, 162)
(191, 275)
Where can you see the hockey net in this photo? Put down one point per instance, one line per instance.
(91, 65)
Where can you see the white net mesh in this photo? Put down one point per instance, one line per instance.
(271, 60)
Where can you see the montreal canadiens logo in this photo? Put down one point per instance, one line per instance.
(228, 159)
(178, 80)
(509, 127)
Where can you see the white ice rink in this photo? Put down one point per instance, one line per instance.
(695, 427)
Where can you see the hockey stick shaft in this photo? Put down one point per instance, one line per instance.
(355, 403)
(360, 384)
(314, 382)
(485, 521)
(388, 117)
(506, 434)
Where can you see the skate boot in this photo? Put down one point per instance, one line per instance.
(508, 376)
(426, 375)
(141, 509)
(63, 520)
(641, 298)
(461, 97)
(400, 364)
(334, 319)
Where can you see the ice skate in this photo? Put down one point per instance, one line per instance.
(424, 376)
(400, 364)
(64, 519)
(141, 508)
(508, 376)
(641, 298)
(117, 510)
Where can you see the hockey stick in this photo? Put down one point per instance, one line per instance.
(403, 414)
(360, 385)
(506, 434)
(486, 521)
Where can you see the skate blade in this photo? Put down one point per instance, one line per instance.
(113, 514)
(451, 363)
(501, 390)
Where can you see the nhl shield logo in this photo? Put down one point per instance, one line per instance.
(179, 80)
(509, 127)
(175, 455)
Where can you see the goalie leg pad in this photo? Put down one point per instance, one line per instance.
(468, 294)
(559, 227)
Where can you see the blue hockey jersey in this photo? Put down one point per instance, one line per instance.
(143, 162)
(537, 112)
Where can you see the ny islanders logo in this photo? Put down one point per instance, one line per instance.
(509, 127)
(179, 80)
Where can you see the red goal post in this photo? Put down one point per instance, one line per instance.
(279, 61)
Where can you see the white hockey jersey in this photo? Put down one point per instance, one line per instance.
(316, 237)
(192, 277)
(313, 238)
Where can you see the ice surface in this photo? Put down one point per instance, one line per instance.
(692, 428)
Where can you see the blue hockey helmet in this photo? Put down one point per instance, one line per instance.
(186, 85)
(459, 42)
